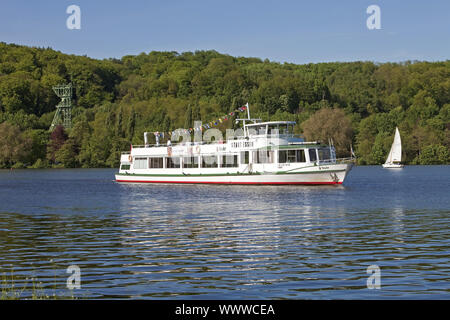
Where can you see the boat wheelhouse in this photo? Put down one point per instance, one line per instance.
(260, 153)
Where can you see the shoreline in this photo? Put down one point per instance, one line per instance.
(116, 168)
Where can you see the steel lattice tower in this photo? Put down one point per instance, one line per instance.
(63, 113)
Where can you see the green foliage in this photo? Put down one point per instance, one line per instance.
(15, 146)
(333, 124)
(116, 101)
(56, 142)
(380, 148)
(434, 154)
(40, 164)
(38, 143)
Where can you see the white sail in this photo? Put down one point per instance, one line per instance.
(395, 155)
(389, 158)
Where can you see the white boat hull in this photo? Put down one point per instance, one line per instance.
(392, 166)
(319, 175)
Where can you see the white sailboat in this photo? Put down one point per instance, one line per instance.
(395, 155)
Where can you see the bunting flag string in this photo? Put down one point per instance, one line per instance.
(205, 126)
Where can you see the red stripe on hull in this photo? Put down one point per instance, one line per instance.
(218, 182)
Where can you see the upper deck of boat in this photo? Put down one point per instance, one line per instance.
(270, 134)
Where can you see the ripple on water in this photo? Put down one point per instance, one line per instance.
(208, 242)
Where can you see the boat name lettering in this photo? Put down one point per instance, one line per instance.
(242, 144)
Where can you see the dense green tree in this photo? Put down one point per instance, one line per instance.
(434, 154)
(381, 147)
(66, 155)
(15, 146)
(116, 100)
(332, 124)
(57, 139)
(38, 145)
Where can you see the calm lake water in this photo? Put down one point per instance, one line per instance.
(228, 242)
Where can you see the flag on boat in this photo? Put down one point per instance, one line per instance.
(204, 126)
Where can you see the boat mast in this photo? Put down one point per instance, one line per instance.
(248, 119)
(395, 154)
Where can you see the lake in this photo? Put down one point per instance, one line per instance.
(228, 242)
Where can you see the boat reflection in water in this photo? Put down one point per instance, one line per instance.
(240, 237)
(228, 242)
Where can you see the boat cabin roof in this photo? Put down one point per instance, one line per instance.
(284, 128)
(270, 123)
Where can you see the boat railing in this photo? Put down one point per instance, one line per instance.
(346, 160)
(224, 141)
(274, 135)
(179, 144)
(335, 161)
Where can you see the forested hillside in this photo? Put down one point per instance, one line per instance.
(357, 103)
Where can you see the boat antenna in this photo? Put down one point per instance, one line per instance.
(248, 115)
(248, 119)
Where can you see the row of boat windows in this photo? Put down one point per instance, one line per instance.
(228, 161)
(291, 156)
(212, 161)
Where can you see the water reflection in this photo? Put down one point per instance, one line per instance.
(187, 241)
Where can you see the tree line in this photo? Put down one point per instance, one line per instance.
(117, 100)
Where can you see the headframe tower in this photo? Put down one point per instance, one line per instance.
(63, 115)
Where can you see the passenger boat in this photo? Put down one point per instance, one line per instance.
(261, 153)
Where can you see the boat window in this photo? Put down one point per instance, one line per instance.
(274, 129)
(140, 163)
(290, 156)
(300, 156)
(312, 155)
(257, 130)
(244, 157)
(190, 162)
(209, 161)
(324, 154)
(125, 167)
(155, 162)
(282, 156)
(262, 130)
(263, 156)
(172, 162)
(230, 161)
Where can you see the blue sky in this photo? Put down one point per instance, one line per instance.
(283, 31)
